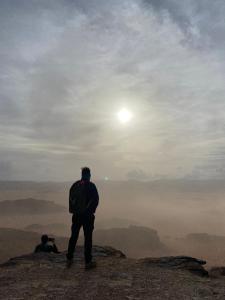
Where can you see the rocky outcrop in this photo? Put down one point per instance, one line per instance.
(179, 262)
(98, 251)
(45, 276)
(135, 241)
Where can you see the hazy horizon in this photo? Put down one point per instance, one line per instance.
(171, 207)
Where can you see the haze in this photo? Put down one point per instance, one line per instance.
(68, 67)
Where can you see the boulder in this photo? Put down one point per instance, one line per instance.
(191, 264)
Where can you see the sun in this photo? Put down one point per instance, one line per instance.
(124, 116)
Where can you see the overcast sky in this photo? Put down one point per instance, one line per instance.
(68, 67)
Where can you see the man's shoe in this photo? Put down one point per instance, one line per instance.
(90, 265)
(69, 263)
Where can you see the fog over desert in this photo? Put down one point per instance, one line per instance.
(174, 209)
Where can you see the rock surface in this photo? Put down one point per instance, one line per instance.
(217, 271)
(179, 262)
(44, 276)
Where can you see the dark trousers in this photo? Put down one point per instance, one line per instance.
(87, 222)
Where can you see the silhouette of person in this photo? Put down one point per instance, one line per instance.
(45, 246)
(83, 201)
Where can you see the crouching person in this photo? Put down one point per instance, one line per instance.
(47, 245)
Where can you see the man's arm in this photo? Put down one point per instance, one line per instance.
(71, 198)
(70, 201)
(94, 201)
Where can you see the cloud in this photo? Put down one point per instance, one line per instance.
(177, 11)
(5, 170)
(201, 21)
(67, 67)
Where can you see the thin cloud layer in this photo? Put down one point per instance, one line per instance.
(68, 67)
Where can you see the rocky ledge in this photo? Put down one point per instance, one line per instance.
(191, 264)
(45, 276)
(60, 258)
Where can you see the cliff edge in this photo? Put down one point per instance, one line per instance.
(44, 276)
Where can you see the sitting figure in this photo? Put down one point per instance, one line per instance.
(45, 246)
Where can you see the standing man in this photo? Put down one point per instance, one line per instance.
(83, 201)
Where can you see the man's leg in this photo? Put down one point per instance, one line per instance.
(88, 227)
(75, 229)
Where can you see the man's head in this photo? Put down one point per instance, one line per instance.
(85, 173)
(44, 238)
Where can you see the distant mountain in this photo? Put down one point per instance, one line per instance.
(29, 206)
(135, 241)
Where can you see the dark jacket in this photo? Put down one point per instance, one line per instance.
(46, 248)
(83, 197)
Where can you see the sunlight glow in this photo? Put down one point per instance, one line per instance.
(124, 116)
